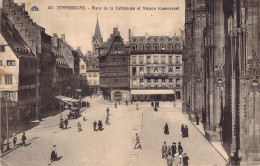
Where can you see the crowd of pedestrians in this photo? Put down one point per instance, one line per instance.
(174, 154)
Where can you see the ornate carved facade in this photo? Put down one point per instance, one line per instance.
(225, 74)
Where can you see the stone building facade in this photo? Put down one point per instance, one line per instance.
(155, 68)
(114, 68)
(18, 68)
(221, 37)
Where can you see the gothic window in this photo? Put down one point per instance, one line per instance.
(148, 47)
(155, 47)
(141, 47)
(163, 47)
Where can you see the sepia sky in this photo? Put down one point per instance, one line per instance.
(79, 25)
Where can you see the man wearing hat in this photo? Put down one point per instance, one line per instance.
(23, 139)
(174, 148)
(180, 149)
(164, 149)
(185, 159)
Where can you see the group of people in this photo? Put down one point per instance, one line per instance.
(174, 154)
(23, 139)
(184, 131)
(155, 103)
(64, 124)
(99, 124)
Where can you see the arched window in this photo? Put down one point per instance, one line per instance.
(141, 47)
(148, 47)
(163, 47)
(155, 47)
(134, 47)
(169, 46)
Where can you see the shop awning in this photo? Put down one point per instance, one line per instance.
(66, 99)
(153, 92)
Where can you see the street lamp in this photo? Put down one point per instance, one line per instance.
(7, 98)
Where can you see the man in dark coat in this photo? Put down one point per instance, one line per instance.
(23, 139)
(152, 104)
(166, 129)
(66, 122)
(182, 131)
(180, 149)
(95, 125)
(186, 131)
(174, 148)
(99, 125)
(185, 159)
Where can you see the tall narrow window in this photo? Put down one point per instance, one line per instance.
(134, 71)
(141, 59)
(155, 59)
(170, 59)
(8, 79)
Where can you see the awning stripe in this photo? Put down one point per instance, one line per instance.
(152, 92)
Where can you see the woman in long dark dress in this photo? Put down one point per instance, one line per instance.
(166, 129)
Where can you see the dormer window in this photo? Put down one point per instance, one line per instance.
(2, 48)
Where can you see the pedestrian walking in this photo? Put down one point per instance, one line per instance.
(173, 148)
(66, 122)
(164, 150)
(182, 131)
(131, 101)
(155, 108)
(79, 127)
(169, 160)
(23, 139)
(166, 129)
(14, 139)
(137, 142)
(84, 116)
(185, 159)
(107, 111)
(126, 103)
(95, 125)
(61, 124)
(107, 120)
(53, 153)
(100, 125)
(137, 107)
(169, 150)
(180, 148)
(186, 131)
(152, 103)
(115, 104)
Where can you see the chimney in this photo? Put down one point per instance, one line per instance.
(62, 36)
(55, 40)
(146, 35)
(78, 48)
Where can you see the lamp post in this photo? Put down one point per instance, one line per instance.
(7, 93)
(60, 105)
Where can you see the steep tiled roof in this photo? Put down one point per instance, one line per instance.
(60, 60)
(14, 39)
